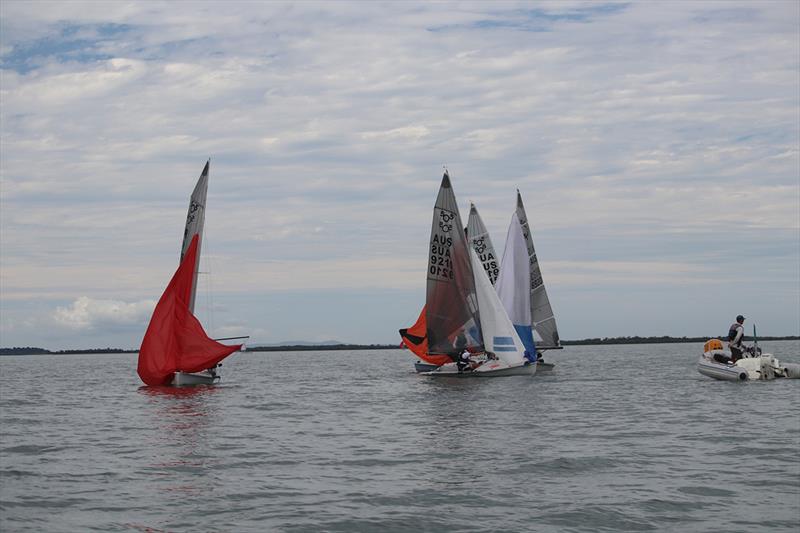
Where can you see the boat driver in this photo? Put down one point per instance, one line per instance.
(735, 336)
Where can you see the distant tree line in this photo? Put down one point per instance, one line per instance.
(29, 350)
(663, 340)
(320, 347)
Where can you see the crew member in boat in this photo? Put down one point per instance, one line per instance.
(735, 337)
(464, 361)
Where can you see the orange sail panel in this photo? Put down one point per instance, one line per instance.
(175, 340)
(415, 339)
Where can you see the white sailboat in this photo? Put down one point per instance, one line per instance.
(522, 290)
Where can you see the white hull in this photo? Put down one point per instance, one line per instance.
(721, 371)
(490, 369)
(182, 379)
(764, 367)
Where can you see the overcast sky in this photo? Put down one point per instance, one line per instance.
(656, 146)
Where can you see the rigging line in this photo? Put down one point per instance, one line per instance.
(209, 290)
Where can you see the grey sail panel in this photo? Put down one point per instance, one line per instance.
(543, 320)
(451, 309)
(195, 219)
(479, 240)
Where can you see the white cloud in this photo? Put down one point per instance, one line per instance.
(87, 313)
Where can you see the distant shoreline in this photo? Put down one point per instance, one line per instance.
(29, 350)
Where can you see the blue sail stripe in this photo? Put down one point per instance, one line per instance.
(505, 349)
(504, 340)
(526, 336)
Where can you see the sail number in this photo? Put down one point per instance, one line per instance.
(441, 265)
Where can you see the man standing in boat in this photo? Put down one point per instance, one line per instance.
(735, 337)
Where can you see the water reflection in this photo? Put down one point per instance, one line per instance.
(181, 452)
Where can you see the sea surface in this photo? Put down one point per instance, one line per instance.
(616, 438)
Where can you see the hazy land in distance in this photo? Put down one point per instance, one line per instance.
(305, 346)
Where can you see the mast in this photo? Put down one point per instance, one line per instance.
(195, 220)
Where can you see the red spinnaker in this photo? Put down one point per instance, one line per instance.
(415, 338)
(175, 340)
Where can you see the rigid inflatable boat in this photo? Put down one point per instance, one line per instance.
(716, 363)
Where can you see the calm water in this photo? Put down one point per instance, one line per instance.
(619, 438)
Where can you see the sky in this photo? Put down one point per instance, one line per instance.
(656, 146)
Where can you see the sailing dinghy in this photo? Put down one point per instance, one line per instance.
(527, 289)
(175, 349)
(458, 295)
(415, 337)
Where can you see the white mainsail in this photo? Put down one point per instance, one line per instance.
(513, 281)
(542, 318)
(499, 335)
(479, 240)
(195, 220)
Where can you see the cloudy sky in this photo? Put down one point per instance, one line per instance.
(656, 145)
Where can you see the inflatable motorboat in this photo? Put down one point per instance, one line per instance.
(718, 364)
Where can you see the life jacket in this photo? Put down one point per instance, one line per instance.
(734, 330)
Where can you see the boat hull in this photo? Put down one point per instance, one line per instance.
(419, 366)
(186, 379)
(721, 371)
(486, 370)
(762, 368)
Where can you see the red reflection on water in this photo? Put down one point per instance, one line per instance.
(178, 392)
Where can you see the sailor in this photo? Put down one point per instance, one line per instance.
(464, 361)
(735, 336)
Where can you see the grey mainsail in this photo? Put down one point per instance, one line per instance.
(452, 319)
(480, 241)
(195, 219)
(542, 318)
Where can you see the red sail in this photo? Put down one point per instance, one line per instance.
(415, 338)
(175, 340)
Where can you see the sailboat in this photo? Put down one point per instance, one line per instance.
(415, 337)
(175, 349)
(514, 274)
(462, 309)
